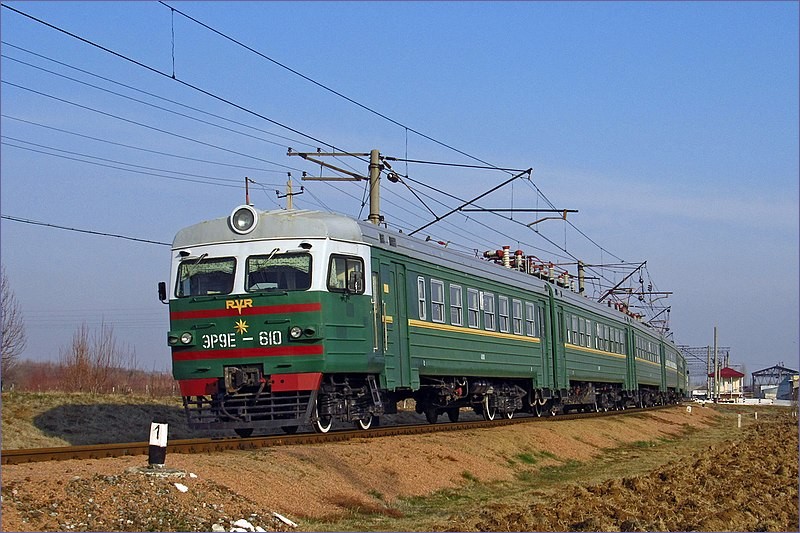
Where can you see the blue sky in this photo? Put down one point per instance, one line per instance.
(671, 127)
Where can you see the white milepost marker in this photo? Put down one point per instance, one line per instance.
(157, 453)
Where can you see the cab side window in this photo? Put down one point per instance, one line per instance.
(346, 274)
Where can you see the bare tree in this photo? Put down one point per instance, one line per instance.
(76, 360)
(14, 338)
(95, 362)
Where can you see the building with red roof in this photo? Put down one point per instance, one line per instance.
(730, 384)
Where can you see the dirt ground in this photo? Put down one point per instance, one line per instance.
(747, 484)
(753, 481)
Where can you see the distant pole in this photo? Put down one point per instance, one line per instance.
(289, 205)
(374, 187)
(716, 366)
(709, 393)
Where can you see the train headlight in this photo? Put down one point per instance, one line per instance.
(243, 219)
(186, 338)
(295, 332)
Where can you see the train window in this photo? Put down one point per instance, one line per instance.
(421, 297)
(581, 332)
(516, 316)
(283, 272)
(588, 333)
(571, 335)
(203, 276)
(598, 337)
(540, 320)
(503, 312)
(473, 308)
(456, 306)
(346, 274)
(437, 301)
(488, 311)
(530, 320)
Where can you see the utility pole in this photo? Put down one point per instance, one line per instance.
(289, 194)
(374, 187)
(375, 168)
(716, 367)
(709, 393)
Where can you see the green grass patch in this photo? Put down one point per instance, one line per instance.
(562, 472)
(527, 458)
(469, 476)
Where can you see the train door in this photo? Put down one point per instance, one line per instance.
(555, 330)
(631, 383)
(662, 349)
(560, 377)
(393, 323)
(545, 373)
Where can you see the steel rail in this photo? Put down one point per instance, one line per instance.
(211, 445)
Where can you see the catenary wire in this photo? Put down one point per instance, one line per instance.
(139, 148)
(259, 115)
(92, 232)
(161, 108)
(117, 117)
(153, 95)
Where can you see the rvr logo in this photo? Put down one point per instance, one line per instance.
(238, 304)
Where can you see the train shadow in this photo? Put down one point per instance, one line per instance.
(112, 423)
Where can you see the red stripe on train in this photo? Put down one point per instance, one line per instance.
(247, 311)
(238, 353)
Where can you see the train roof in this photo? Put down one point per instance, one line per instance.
(275, 224)
(307, 224)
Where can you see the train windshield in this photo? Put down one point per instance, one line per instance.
(203, 276)
(281, 272)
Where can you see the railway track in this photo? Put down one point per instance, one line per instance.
(208, 445)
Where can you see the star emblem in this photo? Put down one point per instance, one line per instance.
(241, 326)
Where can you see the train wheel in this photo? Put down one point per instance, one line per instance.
(244, 432)
(289, 430)
(452, 414)
(537, 410)
(431, 414)
(489, 411)
(364, 423)
(321, 424)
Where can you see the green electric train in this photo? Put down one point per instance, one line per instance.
(291, 317)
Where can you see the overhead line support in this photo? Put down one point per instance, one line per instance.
(459, 208)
